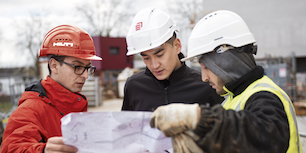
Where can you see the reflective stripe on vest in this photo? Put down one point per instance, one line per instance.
(266, 84)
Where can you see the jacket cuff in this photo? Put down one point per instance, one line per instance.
(208, 118)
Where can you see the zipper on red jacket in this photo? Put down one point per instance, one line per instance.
(43, 97)
(56, 108)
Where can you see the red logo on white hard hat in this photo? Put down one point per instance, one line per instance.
(138, 26)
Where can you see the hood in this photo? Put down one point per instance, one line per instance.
(54, 94)
(34, 91)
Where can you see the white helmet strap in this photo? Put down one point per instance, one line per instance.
(224, 48)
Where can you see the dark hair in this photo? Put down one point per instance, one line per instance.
(170, 41)
(56, 57)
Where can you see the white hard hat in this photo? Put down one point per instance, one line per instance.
(150, 28)
(215, 29)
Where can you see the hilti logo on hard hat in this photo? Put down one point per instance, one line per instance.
(62, 44)
(138, 26)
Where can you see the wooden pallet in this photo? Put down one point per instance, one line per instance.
(300, 108)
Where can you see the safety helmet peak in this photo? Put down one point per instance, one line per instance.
(218, 28)
(67, 40)
(150, 28)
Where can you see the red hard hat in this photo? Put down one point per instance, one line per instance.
(67, 40)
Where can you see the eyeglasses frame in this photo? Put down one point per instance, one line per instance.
(75, 67)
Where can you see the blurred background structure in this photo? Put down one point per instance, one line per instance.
(279, 27)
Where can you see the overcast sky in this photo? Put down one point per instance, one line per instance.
(58, 12)
(279, 26)
(12, 11)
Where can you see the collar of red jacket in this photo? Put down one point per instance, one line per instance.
(57, 96)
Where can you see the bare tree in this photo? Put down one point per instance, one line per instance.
(30, 33)
(187, 12)
(106, 16)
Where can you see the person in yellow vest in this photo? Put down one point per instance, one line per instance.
(256, 115)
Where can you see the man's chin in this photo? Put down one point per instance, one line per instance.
(77, 90)
(220, 92)
(160, 77)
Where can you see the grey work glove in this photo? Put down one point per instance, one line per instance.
(184, 143)
(175, 118)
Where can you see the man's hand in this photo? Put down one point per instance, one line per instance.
(56, 144)
(183, 142)
(175, 118)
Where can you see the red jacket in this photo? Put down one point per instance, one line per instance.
(38, 115)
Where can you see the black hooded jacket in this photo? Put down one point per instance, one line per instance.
(261, 127)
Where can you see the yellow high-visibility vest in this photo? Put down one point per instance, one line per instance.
(266, 84)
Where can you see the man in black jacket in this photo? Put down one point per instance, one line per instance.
(166, 79)
(257, 115)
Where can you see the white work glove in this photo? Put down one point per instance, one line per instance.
(175, 118)
(184, 143)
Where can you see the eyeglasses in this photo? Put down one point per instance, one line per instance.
(79, 70)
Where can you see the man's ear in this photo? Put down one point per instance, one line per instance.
(177, 45)
(54, 65)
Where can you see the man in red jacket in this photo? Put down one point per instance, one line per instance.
(35, 125)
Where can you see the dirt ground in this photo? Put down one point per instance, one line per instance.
(108, 105)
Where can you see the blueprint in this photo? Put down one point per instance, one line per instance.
(116, 132)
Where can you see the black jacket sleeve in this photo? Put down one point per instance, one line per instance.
(261, 127)
(126, 103)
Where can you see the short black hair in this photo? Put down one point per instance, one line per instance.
(170, 41)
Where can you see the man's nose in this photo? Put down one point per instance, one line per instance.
(85, 74)
(154, 63)
(204, 77)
